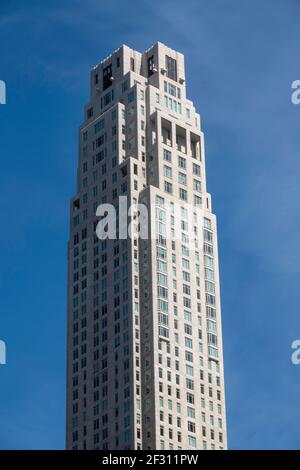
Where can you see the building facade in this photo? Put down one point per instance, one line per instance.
(145, 363)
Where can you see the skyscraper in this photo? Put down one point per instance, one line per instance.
(145, 364)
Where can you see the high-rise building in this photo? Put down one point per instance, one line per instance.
(145, 363)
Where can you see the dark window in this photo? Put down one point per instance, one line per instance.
(118, 61)
(107, 74)
(132, 64)
(150, 66)
(171, 66)
(96, 78)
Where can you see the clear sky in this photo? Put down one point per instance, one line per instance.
(241, 58)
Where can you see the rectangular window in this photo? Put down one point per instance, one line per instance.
(192, 442)
(171, 67)
(197, 185)
(183, 194)
(197, 201)
(182, 178)
(159, 201)
(167, 171)
(172, 90)
(107, 99)
(99, 126)
(181, 162)
(150, 65)
(107, 74)
(207, 223)
(167, 155)
(168, 187)
(196, 169)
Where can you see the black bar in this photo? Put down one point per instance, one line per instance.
(135, 459)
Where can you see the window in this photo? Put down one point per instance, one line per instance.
(167, 171)
(182, 178)
(99, 141)
(192, 441)
(107, 74)
(107, 99)
(181, 162)
(168, 187)
(197, 201)
(207, 223)
(171, 67)
(170, 88)
(188, 329)
(172, 104)
(99, 126)
(196, 169)
(167, 155)
(191, 427)
(188, 317)
(197, 186)
(150, 65)
(132, 64)
(190, 398)
(183, 194)
(190, 412)
(189, 356)
(159, 201)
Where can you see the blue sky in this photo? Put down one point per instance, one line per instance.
(241, 58)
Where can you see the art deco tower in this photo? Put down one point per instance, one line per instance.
(145, 364)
